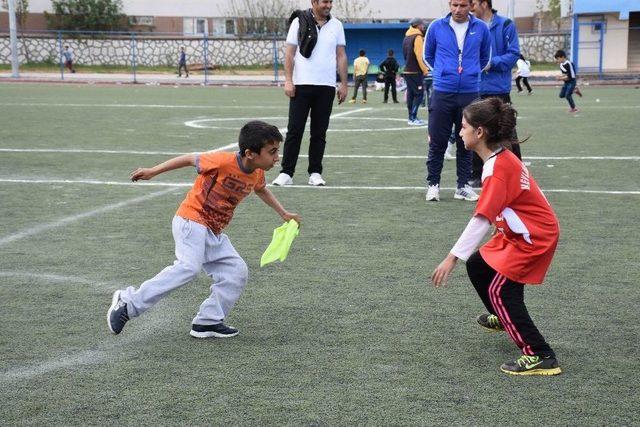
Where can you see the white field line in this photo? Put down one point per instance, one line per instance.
(258, 107)
(168, 106)
(308, 187)
(108, 351)
(346, 113)
(56, 278)
(335, 156)
(64, 221)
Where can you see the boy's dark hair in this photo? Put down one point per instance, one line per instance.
(255, 135)
(362, 52)
(560, 54)
(496, 117)
(522, 57)
(390, 52)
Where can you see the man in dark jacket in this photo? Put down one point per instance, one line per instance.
(389, 67)
(414, 68)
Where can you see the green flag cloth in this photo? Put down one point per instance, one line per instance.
(280, 244)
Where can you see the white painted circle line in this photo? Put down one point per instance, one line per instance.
(203, 123)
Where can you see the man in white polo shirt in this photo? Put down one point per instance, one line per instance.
(315, 51)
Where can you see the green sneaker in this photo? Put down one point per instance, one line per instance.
(490, 322)
(532, 365)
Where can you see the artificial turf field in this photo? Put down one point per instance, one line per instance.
(348, 330)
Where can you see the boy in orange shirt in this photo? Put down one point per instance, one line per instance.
(224, 179)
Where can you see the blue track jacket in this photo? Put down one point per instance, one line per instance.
(505, 51)
(456, 72)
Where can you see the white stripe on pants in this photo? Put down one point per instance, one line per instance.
(197, 248)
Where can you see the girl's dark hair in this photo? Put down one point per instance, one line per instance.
(496, 117)
(256, 134)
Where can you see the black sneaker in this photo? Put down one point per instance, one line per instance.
(219, 330)
(117, 315)
(532, 365)
(490, 322)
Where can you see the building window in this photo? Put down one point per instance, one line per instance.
(230, 27)
(195, 26)
(598, 24)
(146, 21)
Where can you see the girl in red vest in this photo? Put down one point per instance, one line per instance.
(522, 247)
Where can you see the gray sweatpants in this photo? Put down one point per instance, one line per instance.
(197, 248)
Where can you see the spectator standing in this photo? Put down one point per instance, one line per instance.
(68, 58)
(182, 63)
(389, 68)
(496, 78)
(360, 73)
(457, 49)
(523, 74)
(414, 68)
(315, 50)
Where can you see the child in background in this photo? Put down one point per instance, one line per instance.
(224, 179)
(182, 63)
(68, 59)
(360, 72)
(523, 246)
(569, 77)
(523, 74)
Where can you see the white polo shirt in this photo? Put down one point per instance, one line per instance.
(320, 69)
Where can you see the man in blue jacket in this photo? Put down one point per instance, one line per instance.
(496, 80)
(457, 48)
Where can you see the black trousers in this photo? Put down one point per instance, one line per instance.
(390, 82)
(524, 80)
(316, 101)
(505, 298)
(415, 93)
(476, 165)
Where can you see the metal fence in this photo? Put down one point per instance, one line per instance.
(137, 51)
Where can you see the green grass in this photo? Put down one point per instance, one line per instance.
(348, 330)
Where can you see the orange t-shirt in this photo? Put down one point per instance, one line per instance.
(221, 184)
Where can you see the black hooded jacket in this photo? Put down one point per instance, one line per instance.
(307, 31)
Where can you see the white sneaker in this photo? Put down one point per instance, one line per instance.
(466, 193)
(416, 122)
(411, 122)
(316, 180)
(282, 180)
(449, 154)
(433, 193)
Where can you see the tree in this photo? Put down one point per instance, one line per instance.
(551, 9)
(261, 17)
(22, 13)
(86, 15)
(353, 10)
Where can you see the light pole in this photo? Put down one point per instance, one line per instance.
(15, 73)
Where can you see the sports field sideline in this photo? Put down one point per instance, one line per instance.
(348, 330)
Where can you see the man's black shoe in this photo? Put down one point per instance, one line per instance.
(117, 316)
(219, 330)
